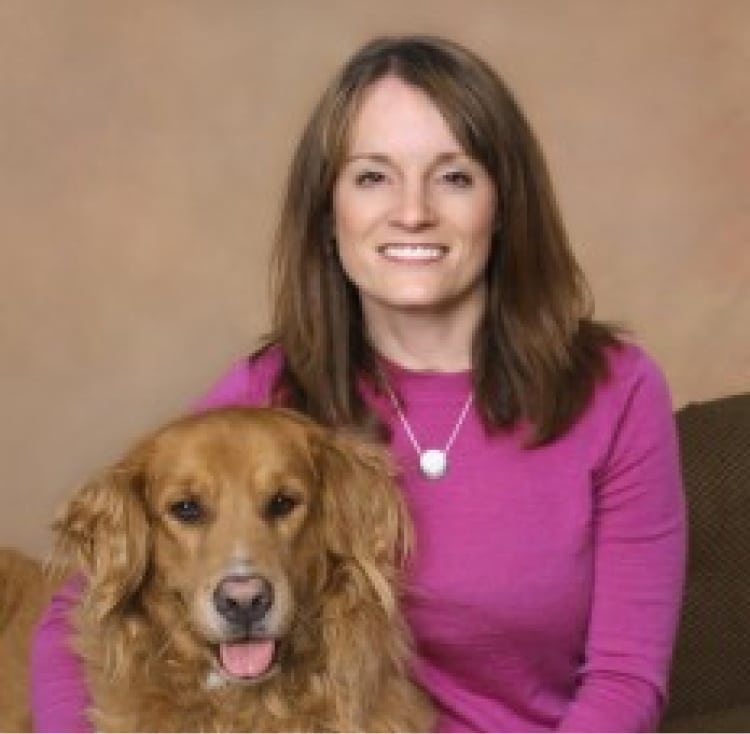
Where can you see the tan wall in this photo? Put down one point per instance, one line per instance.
(143, 147)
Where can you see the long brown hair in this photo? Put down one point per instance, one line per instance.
(537, 352)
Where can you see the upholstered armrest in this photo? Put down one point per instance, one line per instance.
(710, 681)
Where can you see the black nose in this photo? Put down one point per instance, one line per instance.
(243, 600)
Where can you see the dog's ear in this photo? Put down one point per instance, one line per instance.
(367, 536)
(366, 523)
(104, 532)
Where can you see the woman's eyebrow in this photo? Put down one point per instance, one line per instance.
(446, 157)
(375, 157)
(450, 157)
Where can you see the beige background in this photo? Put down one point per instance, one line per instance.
(143, 147)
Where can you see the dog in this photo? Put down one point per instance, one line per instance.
(243, 573)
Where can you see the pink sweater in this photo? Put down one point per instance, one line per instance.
(545, 586)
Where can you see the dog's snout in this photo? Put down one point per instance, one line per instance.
(243, 600)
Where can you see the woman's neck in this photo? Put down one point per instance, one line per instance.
(423, 341)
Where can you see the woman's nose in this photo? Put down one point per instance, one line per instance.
(413, 208)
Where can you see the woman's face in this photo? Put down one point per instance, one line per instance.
(413, 214)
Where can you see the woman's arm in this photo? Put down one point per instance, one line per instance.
(639, 527)
(58, 693)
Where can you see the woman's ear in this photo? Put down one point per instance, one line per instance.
(104, 532)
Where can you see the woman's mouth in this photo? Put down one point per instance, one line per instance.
(419, 253)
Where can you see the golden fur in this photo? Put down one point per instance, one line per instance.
(267, 495)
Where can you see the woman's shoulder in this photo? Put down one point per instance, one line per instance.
(630, 365)
(634, 378)
(248, 381)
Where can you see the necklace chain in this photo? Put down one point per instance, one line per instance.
(433, 462)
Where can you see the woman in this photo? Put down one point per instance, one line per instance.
(424, 285)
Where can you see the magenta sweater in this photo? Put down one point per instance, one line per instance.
(545, 585)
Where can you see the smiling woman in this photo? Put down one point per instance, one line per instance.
(424, 289)
(414, 222)
(523, 310)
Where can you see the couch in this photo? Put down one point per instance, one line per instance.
(710, 680)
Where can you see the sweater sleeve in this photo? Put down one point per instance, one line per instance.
(59, 697)
(639, 559)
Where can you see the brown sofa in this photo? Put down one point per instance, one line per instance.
(710, 681)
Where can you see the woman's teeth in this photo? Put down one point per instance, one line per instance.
(413, 252)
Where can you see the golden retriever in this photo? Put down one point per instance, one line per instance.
(242, 572)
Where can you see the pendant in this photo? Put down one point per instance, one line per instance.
(433, 463)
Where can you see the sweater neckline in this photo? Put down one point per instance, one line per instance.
(416, 384)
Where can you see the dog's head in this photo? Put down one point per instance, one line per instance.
(237, 521)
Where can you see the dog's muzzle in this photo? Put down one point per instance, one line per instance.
(244, 602)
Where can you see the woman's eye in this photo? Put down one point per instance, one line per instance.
(368, 178)
(458, 178)
(187, 511)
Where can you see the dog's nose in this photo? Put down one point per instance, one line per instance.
(243, 600)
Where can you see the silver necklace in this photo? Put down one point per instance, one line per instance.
(432, 462)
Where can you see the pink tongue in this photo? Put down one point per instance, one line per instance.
(247, 659)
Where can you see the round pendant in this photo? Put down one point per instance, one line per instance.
(433, 463)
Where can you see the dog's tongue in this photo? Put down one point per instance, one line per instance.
(247, 659)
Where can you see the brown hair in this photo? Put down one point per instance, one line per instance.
(537, 352)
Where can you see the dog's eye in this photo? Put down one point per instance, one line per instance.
(187, 510)
(280, 505)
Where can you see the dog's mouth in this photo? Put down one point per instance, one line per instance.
(247, 660)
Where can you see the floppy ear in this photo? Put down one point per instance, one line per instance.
(104, 530)
(367, 536)
(366, 524)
